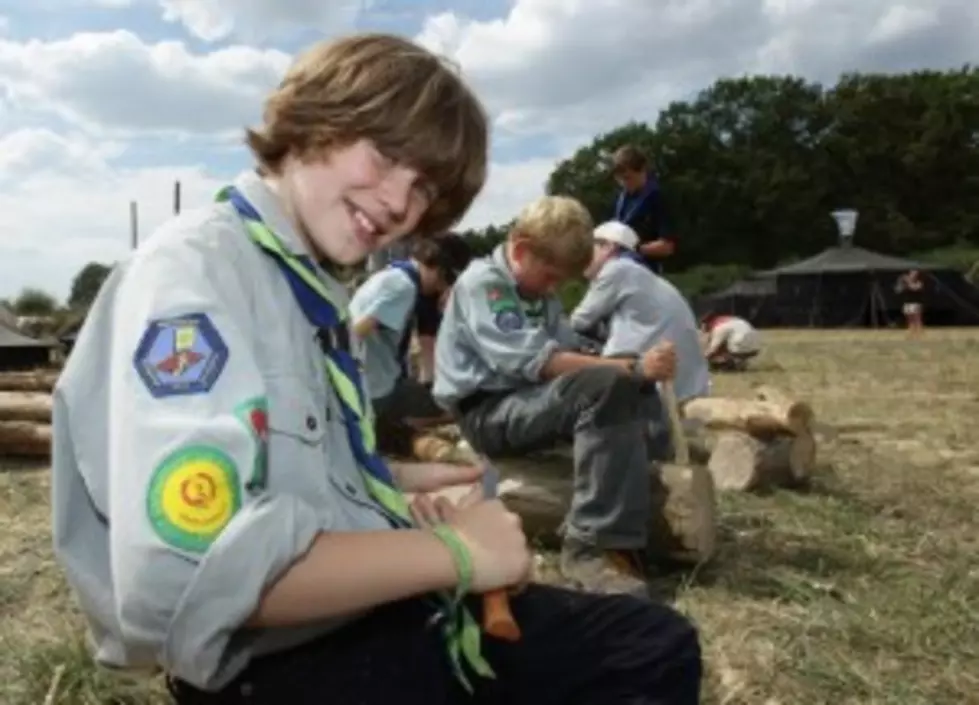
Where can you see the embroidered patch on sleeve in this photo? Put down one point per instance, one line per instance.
(509, 320)
(192, 496)
(181, 355)
(254, 414)
(500, 299)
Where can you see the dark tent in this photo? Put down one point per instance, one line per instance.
(750, 299)
(850, 286)
(18, 352)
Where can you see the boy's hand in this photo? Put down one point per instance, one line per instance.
(431, 477)
(659, 362)
(493, 535)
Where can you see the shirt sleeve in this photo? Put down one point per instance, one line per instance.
(390, 301)
(597, 305)
(196, 539)
(503, 337)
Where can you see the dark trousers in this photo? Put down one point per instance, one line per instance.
(577, 649)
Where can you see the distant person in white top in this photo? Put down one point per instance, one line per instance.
(629, 309)
(729, 342)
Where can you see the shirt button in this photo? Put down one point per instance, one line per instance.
(351, 489)
(311, 423)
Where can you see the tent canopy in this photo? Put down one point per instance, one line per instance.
(841, 260)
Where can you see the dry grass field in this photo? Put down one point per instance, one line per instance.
(862, 589)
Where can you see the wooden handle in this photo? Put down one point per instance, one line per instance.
(680, 447)
(498, 621)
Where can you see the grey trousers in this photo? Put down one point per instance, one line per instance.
(616, 427)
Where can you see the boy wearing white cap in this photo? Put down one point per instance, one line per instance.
(638, 309)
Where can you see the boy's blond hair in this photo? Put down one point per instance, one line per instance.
(414, 108)
(559, 230)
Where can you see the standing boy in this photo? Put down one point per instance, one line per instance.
(384, 311)
(640, 206)
(507, 364)
(639, 309)
(219, 506)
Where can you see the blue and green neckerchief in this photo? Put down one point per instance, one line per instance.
(330, 319)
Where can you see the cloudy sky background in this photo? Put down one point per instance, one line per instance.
(107, 101)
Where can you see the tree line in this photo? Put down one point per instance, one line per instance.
(751, 168)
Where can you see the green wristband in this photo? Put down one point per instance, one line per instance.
(460, 556)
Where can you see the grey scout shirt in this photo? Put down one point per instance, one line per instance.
(168, 517)
(490, 338)
(643, 309)
(389, 297)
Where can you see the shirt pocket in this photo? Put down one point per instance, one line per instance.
(297, 435)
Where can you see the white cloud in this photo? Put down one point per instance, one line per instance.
(509, 187)
(62, 205)
(259, 20)
(114, 82)
(572, 66)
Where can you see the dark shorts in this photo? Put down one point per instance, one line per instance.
(427, 316)
(576, 649)
(410, 399)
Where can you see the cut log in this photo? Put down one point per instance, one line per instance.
(798, 414)
(744, 463)
(34, 381)
(24, 439)
(538, 487)
(739, 461)
(25, 406)
(755, 416)
(435, 449)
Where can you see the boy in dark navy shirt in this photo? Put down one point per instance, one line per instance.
(640, 206)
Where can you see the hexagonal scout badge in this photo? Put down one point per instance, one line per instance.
(180, 355)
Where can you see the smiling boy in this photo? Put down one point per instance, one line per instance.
(227, 519)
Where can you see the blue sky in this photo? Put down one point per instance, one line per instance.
(107, 101)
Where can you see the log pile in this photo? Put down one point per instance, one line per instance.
(25, 413)
(754, 444)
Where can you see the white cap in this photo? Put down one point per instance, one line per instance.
(619, 233)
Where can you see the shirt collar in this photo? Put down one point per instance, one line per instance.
(264, 200)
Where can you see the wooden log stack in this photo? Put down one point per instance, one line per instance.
(753, 444)
(25, 413)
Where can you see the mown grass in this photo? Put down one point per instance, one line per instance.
(863, 589)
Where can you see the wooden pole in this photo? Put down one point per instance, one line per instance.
(133, 224)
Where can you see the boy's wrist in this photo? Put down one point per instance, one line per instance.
(445, 575)
(462, 565)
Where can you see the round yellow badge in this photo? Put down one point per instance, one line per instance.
(193, 495)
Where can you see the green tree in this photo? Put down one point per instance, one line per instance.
(752, 167)
(34, 302)
(86, 285)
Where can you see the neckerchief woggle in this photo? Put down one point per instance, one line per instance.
(647, 190)
(461, 630)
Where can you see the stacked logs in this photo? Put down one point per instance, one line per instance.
(25, 413)
(753, 445)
